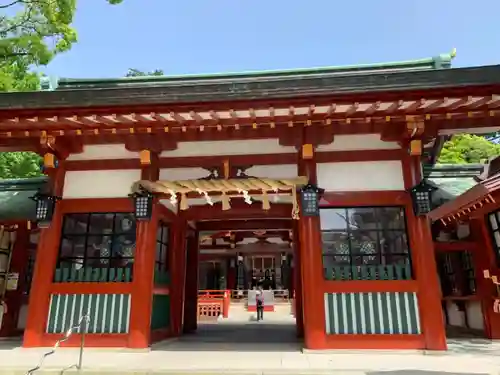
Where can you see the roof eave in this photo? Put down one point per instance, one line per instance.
(486, 78)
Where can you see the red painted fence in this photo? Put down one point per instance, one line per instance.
(212, 303)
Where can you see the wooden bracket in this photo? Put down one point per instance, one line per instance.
(59, 147)
(47, 141)
(414, 130)
(414, 127)
(149, 141)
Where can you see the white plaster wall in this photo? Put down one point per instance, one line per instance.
(23, 317)
(475, 315)
(270, 171)
(284, 171)
(456, 317)
(241, 147)
(361, 176)
(108, 151)
(178, 174)
(99, 184)
(358, 142)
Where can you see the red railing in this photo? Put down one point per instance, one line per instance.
(212, 303)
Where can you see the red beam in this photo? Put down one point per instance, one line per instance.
(365, 198)
(455, 246)
(235, 160)
(353, 156)
(238, 211)
(245, 225)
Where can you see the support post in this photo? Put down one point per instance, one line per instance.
(191, 290)
(177, 274)
(297, 281)
(484, 259)
(143, 282)
(311, 266)
(424, 265)
(43, 274)
(14, 298)
(144, 264)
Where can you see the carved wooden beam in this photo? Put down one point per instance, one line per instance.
(149, 141)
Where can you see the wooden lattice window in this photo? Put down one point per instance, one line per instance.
(97, 244)
(365, 243)
(162, 241)
(456, 273)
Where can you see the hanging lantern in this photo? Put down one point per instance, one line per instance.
(421, 196)
(143, 205)
(44, 209)
(310, 196)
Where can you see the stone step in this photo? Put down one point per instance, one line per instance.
(85, 371)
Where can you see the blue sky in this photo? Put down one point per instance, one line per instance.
(208, 36)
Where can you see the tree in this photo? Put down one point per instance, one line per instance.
(139, 73)
(468, 148)
(32, 32)
(19, 165)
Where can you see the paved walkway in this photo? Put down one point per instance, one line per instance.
(249, 347)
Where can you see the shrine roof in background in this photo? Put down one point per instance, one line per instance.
(478, 200)
(15, 198)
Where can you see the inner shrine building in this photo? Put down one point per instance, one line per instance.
(138, 167)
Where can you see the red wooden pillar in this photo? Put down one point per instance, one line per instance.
(484, 259)
(297, 281)
(177, 255)
(45, 264)
(144, 265)
(191, 289)
(311, 266)
(18, 263)
(424, 265)
(143, 282)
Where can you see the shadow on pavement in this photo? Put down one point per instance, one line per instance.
(253, 337)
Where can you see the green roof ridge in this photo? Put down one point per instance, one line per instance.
(20, 184)
(439, 62)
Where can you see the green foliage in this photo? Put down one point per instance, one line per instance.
(468, 148)
(17, 77)
(36, 31)
(32, 32)
(19, 165)
(139, 73)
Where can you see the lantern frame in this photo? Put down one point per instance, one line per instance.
(143, 204)
(45, 206)
(421, 197)
(310, 196)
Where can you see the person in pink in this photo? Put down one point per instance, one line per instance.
(259, 301)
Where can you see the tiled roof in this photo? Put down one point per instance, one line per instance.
(15, 202)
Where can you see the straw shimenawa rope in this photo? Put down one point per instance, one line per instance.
(228, 188)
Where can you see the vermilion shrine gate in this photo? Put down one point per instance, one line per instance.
(229, 153)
